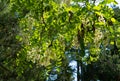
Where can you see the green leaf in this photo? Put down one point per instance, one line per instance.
(118, 30)
(100, 23)
(109, 1)
(113, 20)
(97, 8)
(112, 43)
(19, 38)
(98, 13)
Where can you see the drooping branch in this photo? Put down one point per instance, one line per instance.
(94, 2)
(43, 20)
(80, 37)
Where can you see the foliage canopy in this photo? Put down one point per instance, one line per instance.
(39, 38)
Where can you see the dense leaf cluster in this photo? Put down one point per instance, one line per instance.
(40, 38)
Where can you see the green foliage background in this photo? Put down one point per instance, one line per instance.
(37, 38)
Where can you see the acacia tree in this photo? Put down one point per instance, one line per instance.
(48, 28)
(107, 66)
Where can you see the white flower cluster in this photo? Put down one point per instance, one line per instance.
(34, 54)
(98, 36)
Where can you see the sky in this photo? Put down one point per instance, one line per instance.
(118, 2)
